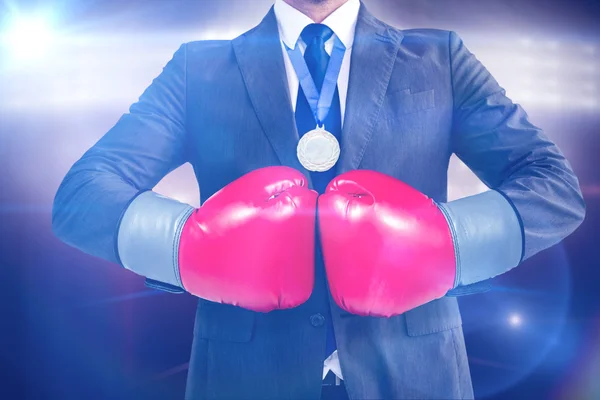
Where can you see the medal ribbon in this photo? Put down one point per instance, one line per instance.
(319, 104)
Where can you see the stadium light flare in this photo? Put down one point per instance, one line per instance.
(515, 320)
(29, 37)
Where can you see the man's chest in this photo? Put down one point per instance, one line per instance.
(402, 130)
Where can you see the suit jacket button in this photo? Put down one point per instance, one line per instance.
(317, 320)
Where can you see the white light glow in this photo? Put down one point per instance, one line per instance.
(589, 49)
(219, 34)
(515, 320)
(590, 103)
(29, 37)
(552, 45)
(554, 98)
(528, 61)
(526, 42)
(527, 80)
(554, 64)
(526, 95)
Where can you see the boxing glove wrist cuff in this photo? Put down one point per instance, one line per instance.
(148, 237)
(487, 236)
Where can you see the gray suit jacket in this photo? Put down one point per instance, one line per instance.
(415, 98)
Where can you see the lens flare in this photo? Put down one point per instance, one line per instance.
(30, 37)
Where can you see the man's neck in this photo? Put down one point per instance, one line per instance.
(317, 10)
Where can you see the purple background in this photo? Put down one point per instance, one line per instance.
(75, 327)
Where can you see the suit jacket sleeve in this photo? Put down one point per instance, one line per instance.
(495, 138)
(145, 145)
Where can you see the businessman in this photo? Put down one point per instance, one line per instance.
(325, 256)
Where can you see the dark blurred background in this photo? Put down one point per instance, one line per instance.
(75, 327)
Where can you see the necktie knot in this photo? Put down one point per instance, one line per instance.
(314, 32)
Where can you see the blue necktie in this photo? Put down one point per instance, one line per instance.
(315, 36)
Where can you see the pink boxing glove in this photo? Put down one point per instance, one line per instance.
(252, 243)
(387, 247)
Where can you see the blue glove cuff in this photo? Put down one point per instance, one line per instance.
(148, 238)
(487, 236)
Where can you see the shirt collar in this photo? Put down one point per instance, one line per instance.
(342, 22)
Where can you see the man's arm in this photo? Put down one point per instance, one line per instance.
(264, 220)
(144, 146)
(534, 197)
(417, 250)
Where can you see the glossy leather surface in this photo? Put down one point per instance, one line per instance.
(252, 243)
(387, 247)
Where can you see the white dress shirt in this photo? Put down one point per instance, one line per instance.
(342, 22)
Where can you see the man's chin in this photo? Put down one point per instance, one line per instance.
(314, 1)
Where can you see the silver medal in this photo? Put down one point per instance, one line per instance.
(318, 150)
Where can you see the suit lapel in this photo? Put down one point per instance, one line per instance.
(373, 55)
(260, 60)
